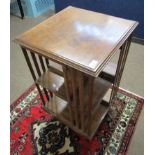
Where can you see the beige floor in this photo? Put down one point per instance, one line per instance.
(132, 80)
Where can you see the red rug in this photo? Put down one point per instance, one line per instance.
(35, 132)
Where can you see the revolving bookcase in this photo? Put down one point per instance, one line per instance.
(69, 58)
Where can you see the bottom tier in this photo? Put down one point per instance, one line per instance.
(60, 109)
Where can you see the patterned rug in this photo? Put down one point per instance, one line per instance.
(35, 132)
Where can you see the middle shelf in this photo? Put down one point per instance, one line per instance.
(55, 83)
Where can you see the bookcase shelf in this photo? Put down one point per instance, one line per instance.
(60, 109)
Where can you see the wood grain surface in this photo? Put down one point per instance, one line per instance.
(82, 39)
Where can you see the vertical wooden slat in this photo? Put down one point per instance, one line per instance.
(122, 63)
(66, 82)
(128, 43)
(35, 63)
(75, 100)
(47, 64)
(42, 63)
(32, 72)
(29, 63)
(90, 102)
(114, 88)
(39, 72)
(44, 69)
(81, 98)
(124, 57)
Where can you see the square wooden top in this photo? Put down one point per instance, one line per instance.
(79, 38)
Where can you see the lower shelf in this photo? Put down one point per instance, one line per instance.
(98, 116)
(60, 109)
